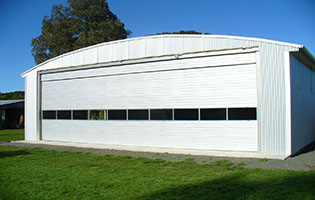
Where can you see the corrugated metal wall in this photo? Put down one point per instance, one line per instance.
(302, 104)
(181, 84)
(272, 102)
(200, 135)
(31, 106)
(222, 81)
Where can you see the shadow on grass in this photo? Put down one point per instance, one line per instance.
(244, 185)
(308, 148)
(4, 154)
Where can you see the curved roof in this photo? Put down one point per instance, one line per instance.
(156, 45)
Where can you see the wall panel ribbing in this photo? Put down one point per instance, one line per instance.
(272, 113)
(188, 83)
(303, 109)
(218, 135)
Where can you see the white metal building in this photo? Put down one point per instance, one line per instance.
(197, 92)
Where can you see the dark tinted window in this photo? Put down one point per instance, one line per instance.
(80, 114)
(138, 115)
(63, 114)
(49, 114)
(97, 114)
(117, 114)
(242, 114)
(213, 114)
(161, 114)
(185, 114)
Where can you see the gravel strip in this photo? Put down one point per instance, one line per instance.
(303, 161)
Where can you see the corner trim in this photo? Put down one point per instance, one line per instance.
(288, 134)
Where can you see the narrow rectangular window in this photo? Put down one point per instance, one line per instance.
(80, 114)
(213, 114)
(49, 114)
(161, 114)
(138, 114)
(117, 115)
(185, 114)
(97, 115)
(242, 113)
(64, 114)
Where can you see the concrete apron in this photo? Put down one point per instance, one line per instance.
(236, 154)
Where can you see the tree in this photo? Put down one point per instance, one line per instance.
(184, 32)
(80, 24)
(12, 95)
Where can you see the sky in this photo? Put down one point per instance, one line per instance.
(283, 20)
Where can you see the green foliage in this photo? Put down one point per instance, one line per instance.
(12, 134)
(189, 159)
(263, 159)
(97, 115)
(80, 24)
(12, 95)
(34, 173)
(183, 32)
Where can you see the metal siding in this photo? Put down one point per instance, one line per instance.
(272, 113)
(218, 135)
(211, 61)
(65, 61)
(211, 87)
(30, 107)
(232, 86)
(48, 66)
(184, 88)
(273, 100)
(60, 62)
(288, 133)
(90, 56)
(104, 53)
(302, 105)
(139, 45)
(160, 48)
(159, 45)
(75, 59)
(120, 51)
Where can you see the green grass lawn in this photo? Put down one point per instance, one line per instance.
(11, 134)
(34, 173)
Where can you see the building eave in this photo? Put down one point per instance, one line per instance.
(304, 56)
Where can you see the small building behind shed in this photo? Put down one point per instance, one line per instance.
(11, 114)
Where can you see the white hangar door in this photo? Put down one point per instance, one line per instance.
(206, 103)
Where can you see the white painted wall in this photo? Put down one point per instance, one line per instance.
(223, 81)
(31, 111)
(205, 135)
(181, 84)
(302, 104)
(272, 95)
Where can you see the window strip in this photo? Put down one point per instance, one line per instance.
(195, 114)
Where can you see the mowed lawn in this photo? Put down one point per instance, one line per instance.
(35, 173)
(11, 134)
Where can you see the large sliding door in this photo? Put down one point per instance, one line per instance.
(193, 103)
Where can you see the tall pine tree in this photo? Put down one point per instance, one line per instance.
(80, 24)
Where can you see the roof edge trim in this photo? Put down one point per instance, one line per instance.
(304, 56)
